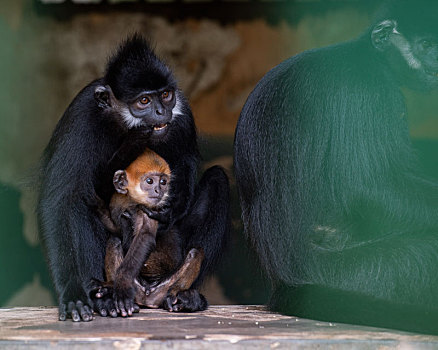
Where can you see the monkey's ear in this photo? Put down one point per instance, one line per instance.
(120, 181)
(102, 94)
(381, 33)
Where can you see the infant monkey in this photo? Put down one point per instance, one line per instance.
(143, 185)
(138, 265)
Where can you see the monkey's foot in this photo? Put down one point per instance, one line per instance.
(185, 301)
(77, 311)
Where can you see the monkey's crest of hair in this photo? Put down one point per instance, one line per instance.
(148, 160)
(135, 67)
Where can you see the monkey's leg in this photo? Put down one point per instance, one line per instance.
(206, 227)
(181, 280)
(187, 273)
(145, 230)
(74, 238)
(103, 292)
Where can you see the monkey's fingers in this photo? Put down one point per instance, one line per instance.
(127, 215)
(80, 311)
(84, 311)
(111, 307)
(62, 312)
(130, 306)
(105, 307)
(103, 302)
(76, 311)
(121, 308)
(146, 210)
(99, 307)
(72, 312)
(168, 302)
(127, 307)
(116, 305)
(136, 308)
(162, 215)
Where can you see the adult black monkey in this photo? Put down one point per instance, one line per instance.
(345, 226)
(109, 123)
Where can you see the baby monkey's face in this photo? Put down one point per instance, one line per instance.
(155, 187)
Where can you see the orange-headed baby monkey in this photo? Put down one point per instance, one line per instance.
(148, 272)
(144, 184)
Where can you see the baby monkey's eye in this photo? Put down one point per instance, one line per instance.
(149, 181)
(163, 182)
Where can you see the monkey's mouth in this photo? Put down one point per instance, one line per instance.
(154, 200)
(159, 127)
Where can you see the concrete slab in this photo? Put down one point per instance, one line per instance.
(219, 327)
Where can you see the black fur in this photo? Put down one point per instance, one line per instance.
(91, 142)
(331, 196)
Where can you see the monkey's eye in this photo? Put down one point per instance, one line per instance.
(149, 181)
(143, 101)
(426, 44)
(163, 182)
(167, 95)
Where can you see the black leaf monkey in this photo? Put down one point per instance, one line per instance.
(137, 262)
(333, 201)
(136, 105)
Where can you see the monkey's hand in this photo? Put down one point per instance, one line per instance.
(162, 214)
(185, 301)
(124, 294)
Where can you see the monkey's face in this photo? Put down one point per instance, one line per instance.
(154, 109)
(153, 188)
(412, 56)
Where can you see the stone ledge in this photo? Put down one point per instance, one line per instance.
(220, 327)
